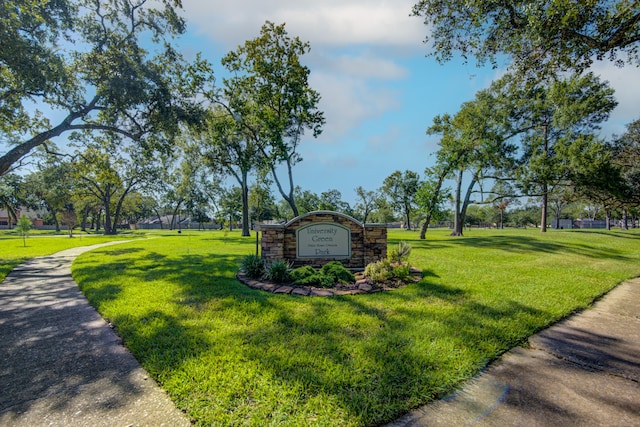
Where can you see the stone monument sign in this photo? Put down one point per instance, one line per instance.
(318, 237)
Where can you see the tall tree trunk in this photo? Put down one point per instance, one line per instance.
(457, 225)
(467, 199)
(159, 219)
(625, 219)
(98, 220)
(107, 210)
(545, 187)
(85, 215)
(461, 207)
(425, 226)
(434, 202)
(174, 224)
(543, 216)
(245, 205)
(407, 213)
(608, 219)
(288, 197)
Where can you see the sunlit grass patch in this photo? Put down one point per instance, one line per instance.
(13, 252)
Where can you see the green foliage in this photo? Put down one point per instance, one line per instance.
(253, 266)
(401, 272)
(309, 276)
(379, 271)
(23, 226)
(401, 190)
(540, 37)
(302, 273)
(392, 268)
(269, 93)
(331, 273)
(277, 271)
(104, 81)
(400, 253)
(337, 272)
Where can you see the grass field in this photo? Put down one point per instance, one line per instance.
(14, 251)
(229, 355)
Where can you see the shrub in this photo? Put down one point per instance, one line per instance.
(309, 276)
(277, 271)
(401, 272)
(379, 271)
(253, 266)
(302, 274)
(337, 272)
(400, 253)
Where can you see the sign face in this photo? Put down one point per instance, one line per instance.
(323, 240)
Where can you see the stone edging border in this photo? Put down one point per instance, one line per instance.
(361, 286)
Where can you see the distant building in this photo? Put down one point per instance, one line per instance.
(6, 222)
(590, 223)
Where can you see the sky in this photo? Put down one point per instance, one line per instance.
(380, 90)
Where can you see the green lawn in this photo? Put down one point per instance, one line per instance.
(13, 250)
(229, 355)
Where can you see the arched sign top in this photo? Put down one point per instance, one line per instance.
(345, 216)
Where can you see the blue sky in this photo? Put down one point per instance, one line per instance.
(379, 89)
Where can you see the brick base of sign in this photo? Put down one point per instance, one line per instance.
(368, 242)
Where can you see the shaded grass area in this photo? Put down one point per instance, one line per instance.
(13, 252)
(230, 355)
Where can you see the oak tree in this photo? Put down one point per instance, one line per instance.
(538, 36)
(269, 94)
(85, 64)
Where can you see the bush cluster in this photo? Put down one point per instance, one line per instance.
(253, 266)
(280, 272)
(392, 269)
(331, 273)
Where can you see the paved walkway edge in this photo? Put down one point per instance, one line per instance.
(61, 363)
(582, 371)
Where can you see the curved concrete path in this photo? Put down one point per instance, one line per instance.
(61, 364)
(583, 371)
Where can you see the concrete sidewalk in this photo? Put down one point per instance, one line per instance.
(583, 371)
(61, 364)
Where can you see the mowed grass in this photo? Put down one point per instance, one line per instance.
(14, 252)
(229, 355)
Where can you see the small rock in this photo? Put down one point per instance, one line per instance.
(321, 292)
(300, 291)
(283, 290)
(269, 287)
(365, 287)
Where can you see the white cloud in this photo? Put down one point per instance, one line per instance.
(349, 101)
(624, 80)
(367, 66)
(329, 22)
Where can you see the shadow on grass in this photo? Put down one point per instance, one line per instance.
(376, 356)
(524, 244)
(629, 234)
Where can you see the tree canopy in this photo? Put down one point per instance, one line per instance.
(269, 94)
(84, 61)
(536, 35)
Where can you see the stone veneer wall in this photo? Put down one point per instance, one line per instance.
(368, 241)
